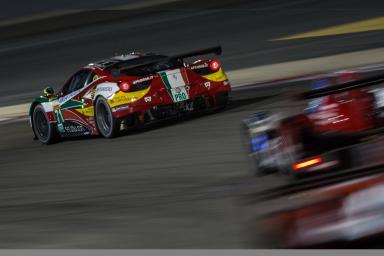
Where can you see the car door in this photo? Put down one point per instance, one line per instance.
(69, 120)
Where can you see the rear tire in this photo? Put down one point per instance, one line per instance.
(108, 126)
(44, 131)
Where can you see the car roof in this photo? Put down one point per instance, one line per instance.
(125, 60)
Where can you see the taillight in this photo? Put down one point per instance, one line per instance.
(307, 163)
(214, 65)
(125, 86)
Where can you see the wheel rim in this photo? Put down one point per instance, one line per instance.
(41, 125)
(103, 118)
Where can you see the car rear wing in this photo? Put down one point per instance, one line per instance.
(215, 50)
(116, 70)
(375, 80)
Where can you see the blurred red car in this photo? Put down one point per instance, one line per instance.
(337, 130)
(348, 214)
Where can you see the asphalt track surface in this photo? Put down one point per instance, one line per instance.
(20, 8)
(174, 185)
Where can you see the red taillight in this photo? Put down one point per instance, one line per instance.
(214, 65)
(307, 163)
(125, 86)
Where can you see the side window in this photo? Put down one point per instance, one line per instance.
(93, 77)
(76, 82)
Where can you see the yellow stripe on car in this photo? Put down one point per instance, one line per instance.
(88, 111)
(218, 76)
(121, 98)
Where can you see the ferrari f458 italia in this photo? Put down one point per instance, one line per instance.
(129, 90)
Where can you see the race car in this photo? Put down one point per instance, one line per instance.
(128, 91)
(345, 211)
(348, 214)
(337, 130)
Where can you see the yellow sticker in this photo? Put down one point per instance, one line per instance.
(126, 97)
(88, 111)
(218, 76)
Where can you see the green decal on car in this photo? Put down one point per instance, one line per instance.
(72, 104)
(175, 81)
(66, 105)
(59, 118)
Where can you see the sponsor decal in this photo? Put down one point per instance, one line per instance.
(120, 108)
(106, 89)
(88, 111)
(144, 79)
(180, 96)
(175, 81)
(204, 65)
(122, 99)
(148, 99)
(103, 89)
(74, 128)
(207, 85)
(68, 96)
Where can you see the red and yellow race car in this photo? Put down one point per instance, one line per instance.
(129, 90)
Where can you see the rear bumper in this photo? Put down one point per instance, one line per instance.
(154, 99)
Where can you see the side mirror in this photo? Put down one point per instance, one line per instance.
(48, 91)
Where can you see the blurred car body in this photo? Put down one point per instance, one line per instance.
(348, 214)
(341, 124)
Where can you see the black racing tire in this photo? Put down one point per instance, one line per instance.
(44, 131)
(107, 125)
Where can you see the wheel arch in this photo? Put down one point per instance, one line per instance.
(35, 102)
(97, 97)
(53, 136)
